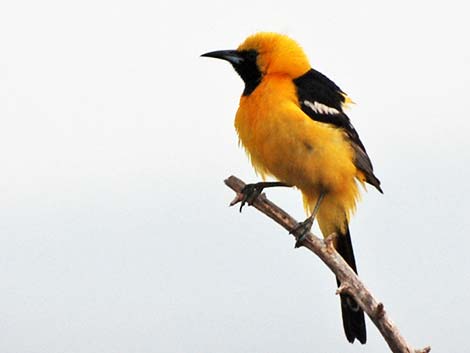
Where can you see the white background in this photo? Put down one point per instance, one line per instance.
(115, 136)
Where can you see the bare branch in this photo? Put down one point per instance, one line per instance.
(350, 283)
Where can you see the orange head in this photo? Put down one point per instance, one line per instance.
(265, 53)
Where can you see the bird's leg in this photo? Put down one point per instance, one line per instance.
(302, 229)
(252, 191)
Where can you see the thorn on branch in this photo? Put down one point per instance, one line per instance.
(238, 198)
(343, 288)
(330, 241)
(379, 311)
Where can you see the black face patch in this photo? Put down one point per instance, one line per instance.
(248, 70)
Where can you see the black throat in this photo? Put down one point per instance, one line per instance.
(249, 71)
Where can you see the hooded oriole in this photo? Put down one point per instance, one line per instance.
(291, 122)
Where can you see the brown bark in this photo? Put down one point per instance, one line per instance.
(350, 282)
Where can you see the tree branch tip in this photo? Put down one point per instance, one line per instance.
(231, 179)
(424, 350)
(234, 183)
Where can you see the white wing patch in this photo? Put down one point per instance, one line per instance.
(321, 108)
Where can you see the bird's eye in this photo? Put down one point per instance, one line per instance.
(251, 55)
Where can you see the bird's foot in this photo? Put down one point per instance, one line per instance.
(250, 192)
(301, 231)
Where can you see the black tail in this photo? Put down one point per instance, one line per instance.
(353, 316)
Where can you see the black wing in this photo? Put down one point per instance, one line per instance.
(321, 99)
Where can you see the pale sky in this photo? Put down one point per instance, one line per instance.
(115, 137)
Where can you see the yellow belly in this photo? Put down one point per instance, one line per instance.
(283, 142)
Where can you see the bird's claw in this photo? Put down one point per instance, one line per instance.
(301, 231)
(250, 192)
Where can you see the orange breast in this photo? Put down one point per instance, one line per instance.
(283, 142)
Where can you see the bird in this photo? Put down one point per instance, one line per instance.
(292, 123)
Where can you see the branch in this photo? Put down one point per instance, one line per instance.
(350, 283)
